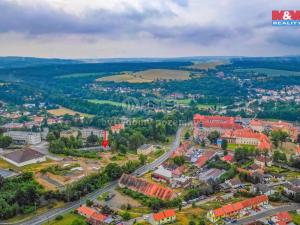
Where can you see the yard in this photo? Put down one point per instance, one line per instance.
(66, 220)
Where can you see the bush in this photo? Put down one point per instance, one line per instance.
(59, 217)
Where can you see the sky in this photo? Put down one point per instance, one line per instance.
(145, 28)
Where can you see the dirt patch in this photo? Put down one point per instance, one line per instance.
(119, 200)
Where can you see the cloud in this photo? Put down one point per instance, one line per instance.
(142, 27)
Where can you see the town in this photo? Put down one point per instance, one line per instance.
(221, 170)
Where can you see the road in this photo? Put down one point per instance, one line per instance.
(51, 214)
(270, 212)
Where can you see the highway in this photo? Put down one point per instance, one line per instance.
(52, 213)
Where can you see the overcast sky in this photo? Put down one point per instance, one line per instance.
(144, 28)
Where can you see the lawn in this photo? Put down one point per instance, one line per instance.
(67, 219)
(270, 72)
(96, 101)
(191, 214)
(36, 167)
(232, 146)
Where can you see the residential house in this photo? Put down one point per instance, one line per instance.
(263, 189)
(234, 183)
(167, 216)
(145, 149)
(211, 174)
(117, 128)
(234, 210)
(282, 218)
(162, 175)
(85, 211)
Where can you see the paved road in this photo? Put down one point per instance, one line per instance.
(51, 214)
(270, 212)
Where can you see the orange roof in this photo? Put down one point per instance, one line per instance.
(228, 158)
(165, 214)
(237, 206)
(98, 217)
(228, 209)
(86, 210)
(169, 213)
(219, 212)
(284, 217)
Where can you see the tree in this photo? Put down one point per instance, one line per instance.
(89, 202)
(136, 140)
(5, 141)
(179, 160)
(279, 156)
(298, 139)
(113, 171)
(201, 222)
(187, 135)
(224, 144)
(143, 159)
(213, 137)
(1, 180)
(278, 137)
(126, 216)
(92, 139)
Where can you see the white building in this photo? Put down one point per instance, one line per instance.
(24, 137)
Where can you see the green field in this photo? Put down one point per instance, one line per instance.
(270, 72)
(74, 75)
(232, 146)
(296, 217)
(96, 101)
(67, 219)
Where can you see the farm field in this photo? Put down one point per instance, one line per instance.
(148, 76)
(270, 72)
(207, 65)
(62, 111)
(96, 101)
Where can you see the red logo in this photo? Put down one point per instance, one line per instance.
(286, 15)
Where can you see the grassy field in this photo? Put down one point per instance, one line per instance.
(207, 65)
(232, 146)
(96, 101)
(67, 219)
(74, 75)
(270, 72)
(190, 214)
(36, 167)
(148, 76)
(62, 111)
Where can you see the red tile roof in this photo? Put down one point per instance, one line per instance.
(204, 158)
(165, 214)
(284, 217)
(98, 217)
(228, 158)
(235, 207)
(146, 188)
(86, 211)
